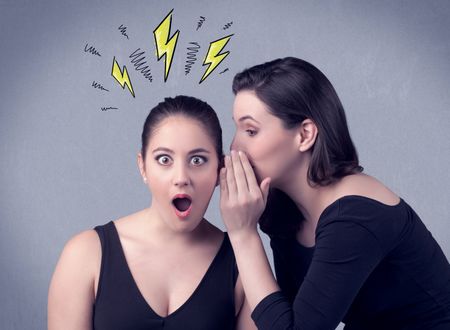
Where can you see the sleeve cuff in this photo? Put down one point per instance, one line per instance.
(266, 313)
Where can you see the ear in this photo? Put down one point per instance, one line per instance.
(141, 165)
(221, 164)
(218, 177)
(307, 135)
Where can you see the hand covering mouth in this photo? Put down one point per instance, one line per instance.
(250, 161)
(182, 202)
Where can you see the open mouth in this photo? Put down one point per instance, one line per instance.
(182, 204)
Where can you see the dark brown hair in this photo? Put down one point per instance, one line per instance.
(190, 107)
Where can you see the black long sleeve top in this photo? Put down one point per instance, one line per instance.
(373, 266)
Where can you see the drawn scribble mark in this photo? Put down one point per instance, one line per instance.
(164, 45)
(224, 71)
(227, 26)
(191, 57)
(91, 50)
(108, 108)
(200, 22)
(99, 86)
(121, 77)
(123, 30)
(139, 63)
(213, 57)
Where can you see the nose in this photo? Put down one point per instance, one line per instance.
(234, 144)
(181, 176)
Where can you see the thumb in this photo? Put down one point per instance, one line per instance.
(264, 186)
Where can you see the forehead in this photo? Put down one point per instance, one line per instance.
(246, 103)
(181, 133)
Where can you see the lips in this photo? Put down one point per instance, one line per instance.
(182, 204)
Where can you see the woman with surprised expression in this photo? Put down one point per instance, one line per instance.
(165, 267)
(346, 248)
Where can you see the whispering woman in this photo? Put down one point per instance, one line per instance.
(346, 247)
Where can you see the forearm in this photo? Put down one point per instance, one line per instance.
(254, 269)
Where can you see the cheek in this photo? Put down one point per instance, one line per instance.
(157, 175)
(205, 182)
(262, 150)
(271, 158)
(158, 180)
(157, 188)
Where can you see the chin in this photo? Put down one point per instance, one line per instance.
(185, 225)
(260, 175)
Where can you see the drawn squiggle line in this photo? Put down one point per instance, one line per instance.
(91, 50)
(224, 71)
(200, 22)
(99, 86)
(191, 57)
(123, 30)
(228, 25)
(108, 108)
(139, 63)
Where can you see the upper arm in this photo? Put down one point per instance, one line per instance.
(71, 292)
(345, 255)
(289, 277)
(244, 320)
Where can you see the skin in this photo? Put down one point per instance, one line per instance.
(167, 256)
(250, 170)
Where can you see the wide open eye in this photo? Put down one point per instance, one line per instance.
(164, 160)
(198, 160)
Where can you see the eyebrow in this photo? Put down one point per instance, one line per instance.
(193, 151)
(248, 117)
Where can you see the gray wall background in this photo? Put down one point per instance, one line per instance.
(67, 166)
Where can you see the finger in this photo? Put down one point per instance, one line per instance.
(231, 182)
(249, 173)
(223, 183)
(265, 185)
(239, 174)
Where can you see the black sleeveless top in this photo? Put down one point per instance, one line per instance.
(120, 305)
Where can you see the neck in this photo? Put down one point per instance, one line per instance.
(311, 201)
(164, 234)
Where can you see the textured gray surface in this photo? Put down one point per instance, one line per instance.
(67, 166)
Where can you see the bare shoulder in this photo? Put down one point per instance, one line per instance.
(367, 186)
(71, 292)
(85, 241)
(131, 224)
(82, 250)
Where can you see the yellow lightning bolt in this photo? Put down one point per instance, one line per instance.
(213, 58)
(122, 78)
(164, 45)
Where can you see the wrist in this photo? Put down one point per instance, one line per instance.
(243, 236)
